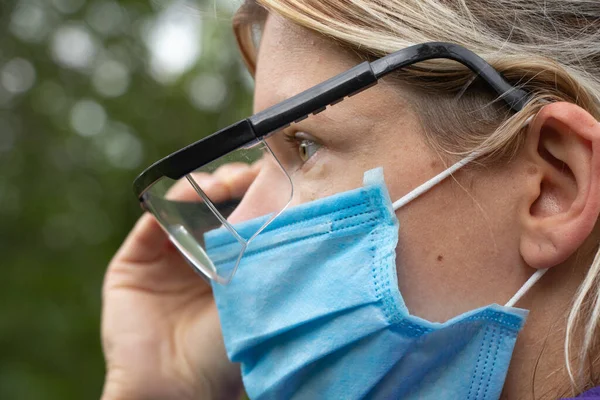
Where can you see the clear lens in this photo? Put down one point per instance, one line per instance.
(202, 202)
(320, 156)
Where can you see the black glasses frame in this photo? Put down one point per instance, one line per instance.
(315, 100)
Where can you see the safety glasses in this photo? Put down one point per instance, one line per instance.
(188, 204)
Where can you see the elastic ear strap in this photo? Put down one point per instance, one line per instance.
(525, 288)
(440, 177)
(433, 181)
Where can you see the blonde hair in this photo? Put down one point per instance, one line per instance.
(551, 48)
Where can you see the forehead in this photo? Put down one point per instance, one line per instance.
(292, 59)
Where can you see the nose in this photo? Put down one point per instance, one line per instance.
(270, 192)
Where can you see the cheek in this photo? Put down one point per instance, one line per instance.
(328, 176)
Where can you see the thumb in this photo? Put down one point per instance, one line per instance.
(145, 243)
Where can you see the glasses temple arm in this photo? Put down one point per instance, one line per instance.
(515, 98)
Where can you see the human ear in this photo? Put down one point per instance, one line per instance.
(562, 192)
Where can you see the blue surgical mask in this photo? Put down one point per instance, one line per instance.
(315, 312)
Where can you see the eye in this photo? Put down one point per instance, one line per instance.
(303, 144)
(307, 148)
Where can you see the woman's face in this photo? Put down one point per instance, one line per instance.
(457, 244)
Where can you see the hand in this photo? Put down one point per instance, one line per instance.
(160, 329)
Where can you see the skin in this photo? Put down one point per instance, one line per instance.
(469, 242)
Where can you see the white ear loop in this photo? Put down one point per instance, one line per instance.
(525, 288)
(425, 187)
(413, 194)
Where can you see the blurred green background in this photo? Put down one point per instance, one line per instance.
(91, 92)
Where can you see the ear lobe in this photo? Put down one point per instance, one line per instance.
(563, 187)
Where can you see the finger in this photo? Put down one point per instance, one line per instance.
(228, 171)
(258, 165)
(230, 181)
(216, 190)
(237, 178)
(145, 243)
(183, 190)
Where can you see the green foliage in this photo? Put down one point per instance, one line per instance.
(81, 114)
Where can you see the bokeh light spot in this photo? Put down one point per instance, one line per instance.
(29, 22)
(73, 46)
(122, 147)
(88, 118)
(173, 40)
(106, 17)
(67, 6)
(17, 76)
(111, 78)
(207, 92)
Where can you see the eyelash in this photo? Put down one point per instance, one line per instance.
(293, 141)
(290, 137)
